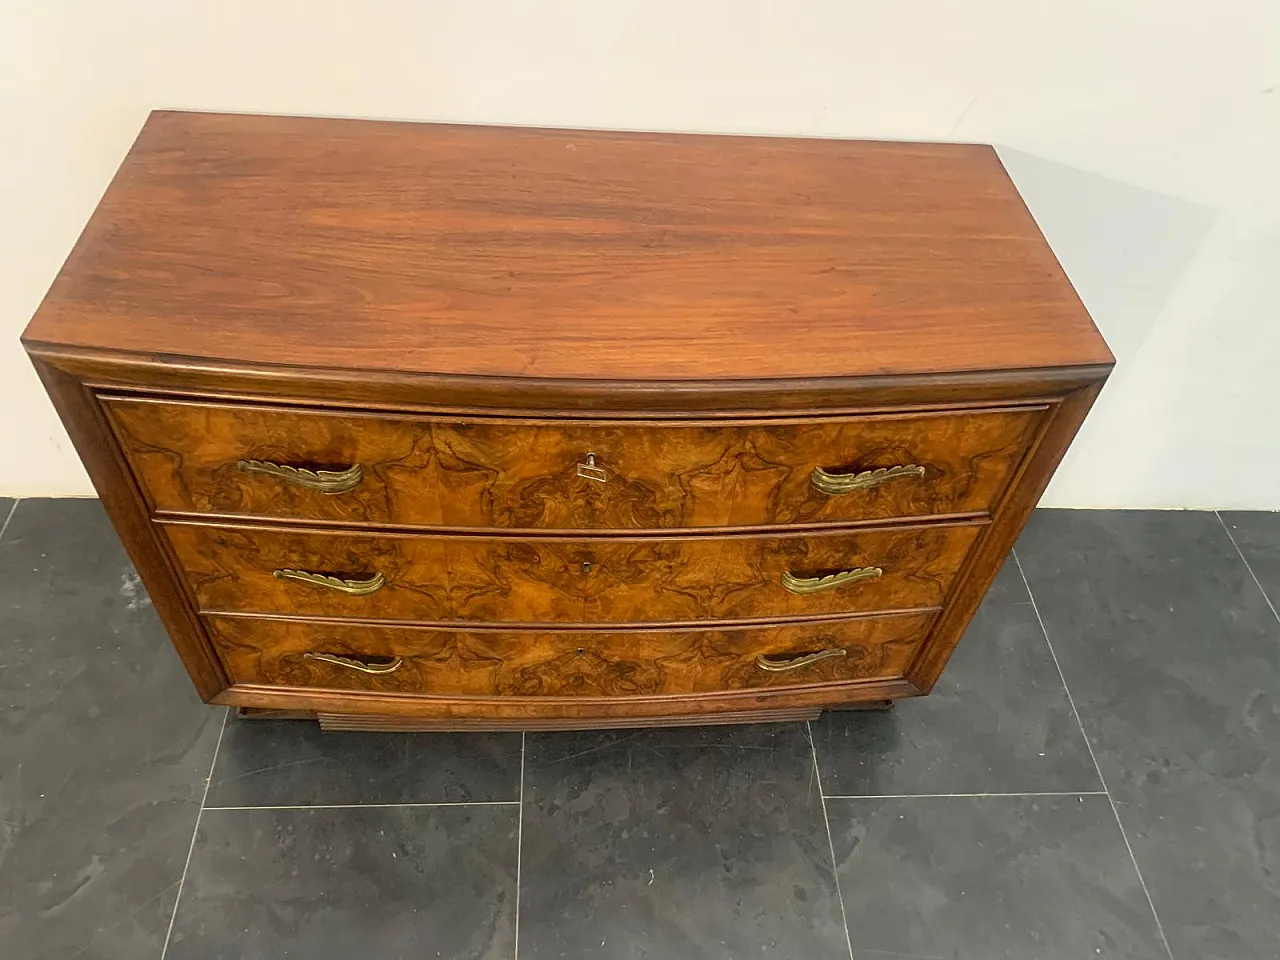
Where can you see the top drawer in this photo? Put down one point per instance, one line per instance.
(345, 466)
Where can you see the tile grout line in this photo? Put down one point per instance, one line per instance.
(1092, 756)
(831, 847)
(195, 830)
(519, 850)
(370, 806)
(947, 796)
(9, 516)
(1247, 565)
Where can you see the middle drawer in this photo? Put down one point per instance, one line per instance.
(429, 578)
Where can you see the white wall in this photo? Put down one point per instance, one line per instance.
(1145, 134)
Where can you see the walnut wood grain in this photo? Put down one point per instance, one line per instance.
(564, 663)
(489, 251)
(566, 579)
(520, 474)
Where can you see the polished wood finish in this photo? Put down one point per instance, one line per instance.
(521, 474)
(107, 371)
(564, 663)
(992, 550)
(486, 251)
(122, 499)
(469, 313)
(528, 713)
(379, 723)
(566, 580)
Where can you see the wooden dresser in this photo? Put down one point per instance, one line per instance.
(419, 426)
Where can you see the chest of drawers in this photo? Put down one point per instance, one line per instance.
(415, 426)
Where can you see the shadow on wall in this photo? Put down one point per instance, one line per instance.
(1125, 248)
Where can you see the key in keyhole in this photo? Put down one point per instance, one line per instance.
(590, 471)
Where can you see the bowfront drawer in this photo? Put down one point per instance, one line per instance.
(564, 663)
(240, 460)
(434, 578)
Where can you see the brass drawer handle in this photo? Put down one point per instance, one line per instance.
(366, 665)
(835, 484)
(355, 588)
(325, 481)
(781, 665)
(807, 585)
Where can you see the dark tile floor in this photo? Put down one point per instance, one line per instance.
(1096, 776)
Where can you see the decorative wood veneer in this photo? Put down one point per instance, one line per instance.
(469, 312)
(576, 663)
(567, 580)
(487, 473)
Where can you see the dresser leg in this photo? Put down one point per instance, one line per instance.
(879, 705)
(266, 713)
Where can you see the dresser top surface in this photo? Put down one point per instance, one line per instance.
(562, 254)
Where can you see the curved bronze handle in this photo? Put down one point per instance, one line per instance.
(325, 481)
(807, 585)
(372, 665)
(354, 588)
(779, 665)
(835, 484)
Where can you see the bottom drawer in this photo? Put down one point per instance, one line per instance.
(564, 663)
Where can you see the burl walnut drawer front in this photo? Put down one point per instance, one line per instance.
(564, 663)
(258, 461)
(575, 580)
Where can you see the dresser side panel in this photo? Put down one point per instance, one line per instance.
(996, 542)
(86, 425)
